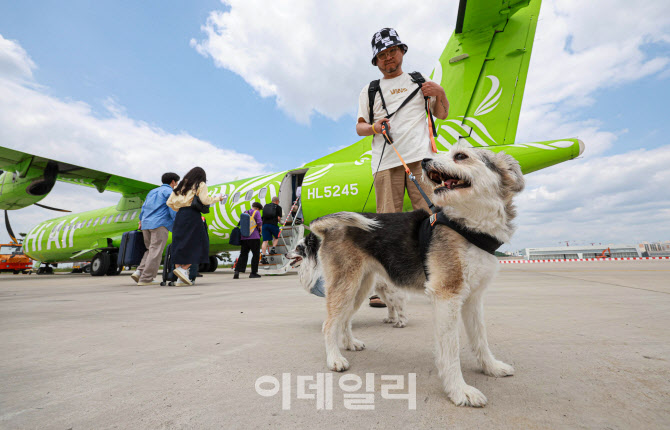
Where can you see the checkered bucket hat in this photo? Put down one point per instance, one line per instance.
(384, 39)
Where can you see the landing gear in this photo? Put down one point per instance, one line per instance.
(45, 270)
(213, 263)
(113, 269)
(100, 264)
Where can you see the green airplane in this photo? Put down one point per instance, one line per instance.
(483, 70)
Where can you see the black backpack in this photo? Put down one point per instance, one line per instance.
(374, 88)
(270, 212)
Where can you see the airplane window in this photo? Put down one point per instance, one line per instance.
(110, 219)
(66, 227)
(88, 223)
(79, 225)
(236, 197)
(248, 195)
(118, 217)
(102, 220)
(125, 216)
(262, 193)
(133, 215)
(225, 199)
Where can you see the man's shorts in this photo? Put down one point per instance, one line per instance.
(270, 231)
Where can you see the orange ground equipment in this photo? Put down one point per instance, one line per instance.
(12, 259)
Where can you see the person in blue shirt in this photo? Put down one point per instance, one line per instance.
(156, 219)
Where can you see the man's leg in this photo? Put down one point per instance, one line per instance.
(146, 236)
(418, 202)
(390, 190)
(254, 246)
(244, 256)
(159, 238)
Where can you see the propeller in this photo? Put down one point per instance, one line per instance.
(9, 228)
(50, 208)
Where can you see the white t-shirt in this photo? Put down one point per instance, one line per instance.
(409, 126)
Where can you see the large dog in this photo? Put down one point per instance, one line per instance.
(306, 259)
(474, 188)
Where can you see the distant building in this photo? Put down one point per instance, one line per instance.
(586, 251)
(656, 249)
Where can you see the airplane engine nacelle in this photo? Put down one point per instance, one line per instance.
(18, 192)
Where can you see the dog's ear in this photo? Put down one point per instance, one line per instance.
(507, 167)
(510, 171)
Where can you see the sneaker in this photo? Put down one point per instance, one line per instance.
(254, 275)
(264, 260)
(183, 275)
(273, 250)
(136, 275)
(236, 275)
(145, 284)
(180, 283)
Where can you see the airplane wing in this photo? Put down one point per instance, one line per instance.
(27, 165)
(483, 70)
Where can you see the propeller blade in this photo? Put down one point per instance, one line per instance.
(9, 228)
(50, 208)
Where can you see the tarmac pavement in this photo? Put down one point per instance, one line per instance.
(590, 342)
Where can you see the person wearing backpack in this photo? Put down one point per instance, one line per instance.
(399, 100)
(250, 241)
(272, 215)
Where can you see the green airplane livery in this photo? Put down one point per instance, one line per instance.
(483, 70)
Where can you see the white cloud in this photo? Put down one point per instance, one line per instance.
(70, 131)
(315, 58)
(620, 198)
(15, 64)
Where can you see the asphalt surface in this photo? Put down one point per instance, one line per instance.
(590, 343)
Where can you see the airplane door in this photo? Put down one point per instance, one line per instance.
(290, 189)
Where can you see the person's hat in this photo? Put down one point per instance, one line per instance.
(383, 40)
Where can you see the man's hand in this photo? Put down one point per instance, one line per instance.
(365, 129)
(432, 89)
(378, 125)
(139, 225)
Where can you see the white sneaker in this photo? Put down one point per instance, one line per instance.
(183, 275)
(144, 284)
(180, 283)
(136, 275)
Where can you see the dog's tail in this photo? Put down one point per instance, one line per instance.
(336, 221)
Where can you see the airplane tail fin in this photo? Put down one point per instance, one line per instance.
(483, 70)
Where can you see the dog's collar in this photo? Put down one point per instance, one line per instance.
(482, 241)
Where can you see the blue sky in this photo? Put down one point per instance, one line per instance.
(265, 86)
(138, 53)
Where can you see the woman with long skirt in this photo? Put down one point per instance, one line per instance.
(190, 244)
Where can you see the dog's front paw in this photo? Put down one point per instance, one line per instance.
(468, 396)
(389, 320)
(339, 364)
(498, 369)
(402, 322)
(354, 345)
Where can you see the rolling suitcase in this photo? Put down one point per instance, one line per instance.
(169, 278)
(132, 249)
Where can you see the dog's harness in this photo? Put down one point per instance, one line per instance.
(482, 241)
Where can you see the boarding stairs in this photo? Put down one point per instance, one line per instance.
(290, 233)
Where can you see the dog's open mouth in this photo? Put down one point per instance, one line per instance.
(296, 261)
(448, 182)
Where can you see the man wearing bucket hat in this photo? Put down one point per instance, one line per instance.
(391, 100)
(408, 125)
